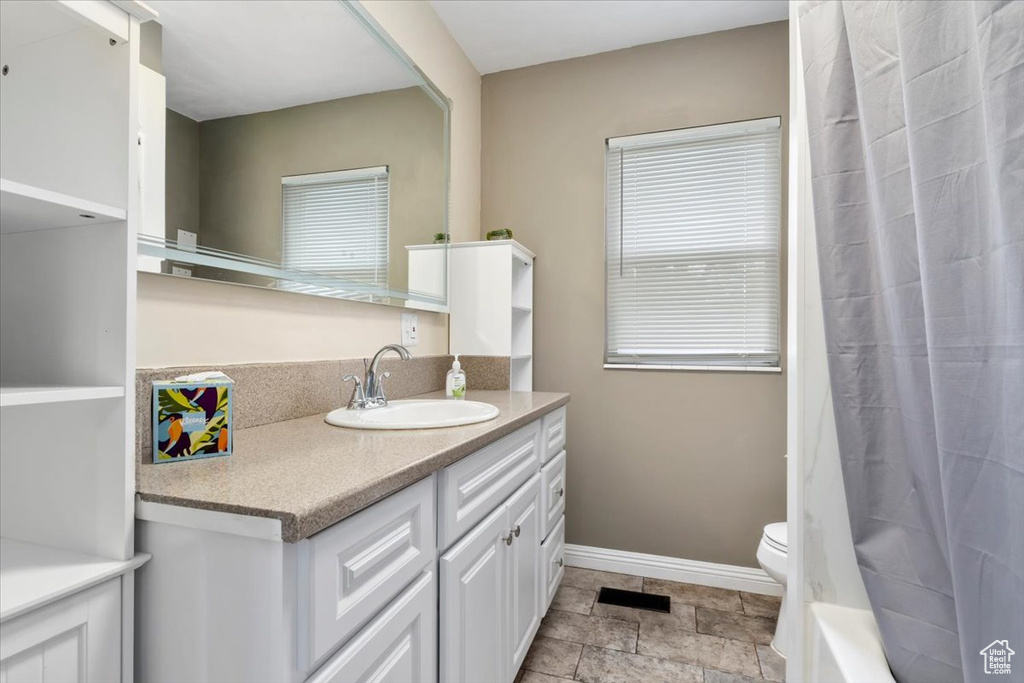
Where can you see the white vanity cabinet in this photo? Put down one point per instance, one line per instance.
(446, 579)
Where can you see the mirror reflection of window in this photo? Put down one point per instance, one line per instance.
(336, 224)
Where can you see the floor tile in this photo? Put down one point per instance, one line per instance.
(773, 665)
(681, 616)
(758, 630)
(594, 580)
(713, 676)
(534, 677)
(609, 666)
(698, 596)
(757, 605)
(613, 634)
(572, 599)
(553, 657)
(709, 651)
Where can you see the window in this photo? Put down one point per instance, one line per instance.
(692, 243)
(336, 224)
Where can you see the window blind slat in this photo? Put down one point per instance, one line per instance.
(336, 224)
(692, 241)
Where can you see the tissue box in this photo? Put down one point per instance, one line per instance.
(191, 419)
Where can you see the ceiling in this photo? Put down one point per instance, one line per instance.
(234, 57)
(507, 34)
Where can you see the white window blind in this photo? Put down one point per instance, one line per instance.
(336, 224)
(693, 246)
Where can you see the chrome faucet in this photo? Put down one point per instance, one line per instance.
(369, 393)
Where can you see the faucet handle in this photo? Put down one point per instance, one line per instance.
(380, 387)
(358, 399)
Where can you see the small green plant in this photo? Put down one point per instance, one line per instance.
(441, 238)
(500, 234)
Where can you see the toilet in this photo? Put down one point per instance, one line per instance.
(771, 555)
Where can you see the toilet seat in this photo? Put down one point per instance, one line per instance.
(775, 536)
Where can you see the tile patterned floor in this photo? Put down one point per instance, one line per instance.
(712, 635)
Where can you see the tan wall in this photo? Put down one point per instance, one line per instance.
(683, 464)
(261, 325)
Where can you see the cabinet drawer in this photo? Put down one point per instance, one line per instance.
(399, 646)
(349, 571)
(552, 552)
(553, 433)
(553, 491)
(472, 488)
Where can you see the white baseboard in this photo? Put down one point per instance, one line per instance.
(749, 579)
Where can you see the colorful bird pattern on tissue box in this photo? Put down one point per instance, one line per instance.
(191, 421)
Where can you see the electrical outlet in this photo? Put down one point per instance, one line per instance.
(186, 240)
(181, 272)
(410, 331)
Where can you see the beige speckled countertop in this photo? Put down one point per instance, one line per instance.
(309, 474)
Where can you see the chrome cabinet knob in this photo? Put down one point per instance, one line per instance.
(517, 530)
(561, 492)
(560, 562)
(508, 539)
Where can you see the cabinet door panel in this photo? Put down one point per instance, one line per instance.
(525, 521)
(77, 639)
(553, 491)
(474, 593)
(398, 646)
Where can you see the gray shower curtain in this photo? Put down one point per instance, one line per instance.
(916, 120)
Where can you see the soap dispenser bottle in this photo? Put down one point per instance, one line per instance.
(455, 385)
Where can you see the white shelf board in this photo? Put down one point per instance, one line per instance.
(522, 356)
(23, 396)
(25, 207)
(34, 575)
(521, 309)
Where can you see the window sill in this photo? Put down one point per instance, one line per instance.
(695, 368)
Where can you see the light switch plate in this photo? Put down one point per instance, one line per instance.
(181, 272)
(186, 240)
(410, 329)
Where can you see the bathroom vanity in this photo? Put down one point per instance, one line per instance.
(355, 555)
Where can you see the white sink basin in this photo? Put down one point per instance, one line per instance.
(415, 414)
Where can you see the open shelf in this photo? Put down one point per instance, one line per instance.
(23, 396)
(34, 575)
(520, 308)
(24, 208)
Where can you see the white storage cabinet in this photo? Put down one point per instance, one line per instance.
(490, 298)
(69, 207)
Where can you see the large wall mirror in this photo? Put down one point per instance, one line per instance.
(301, 151)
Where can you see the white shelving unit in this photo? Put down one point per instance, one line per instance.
(491, 304)
(23, 396)
(69, 207)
